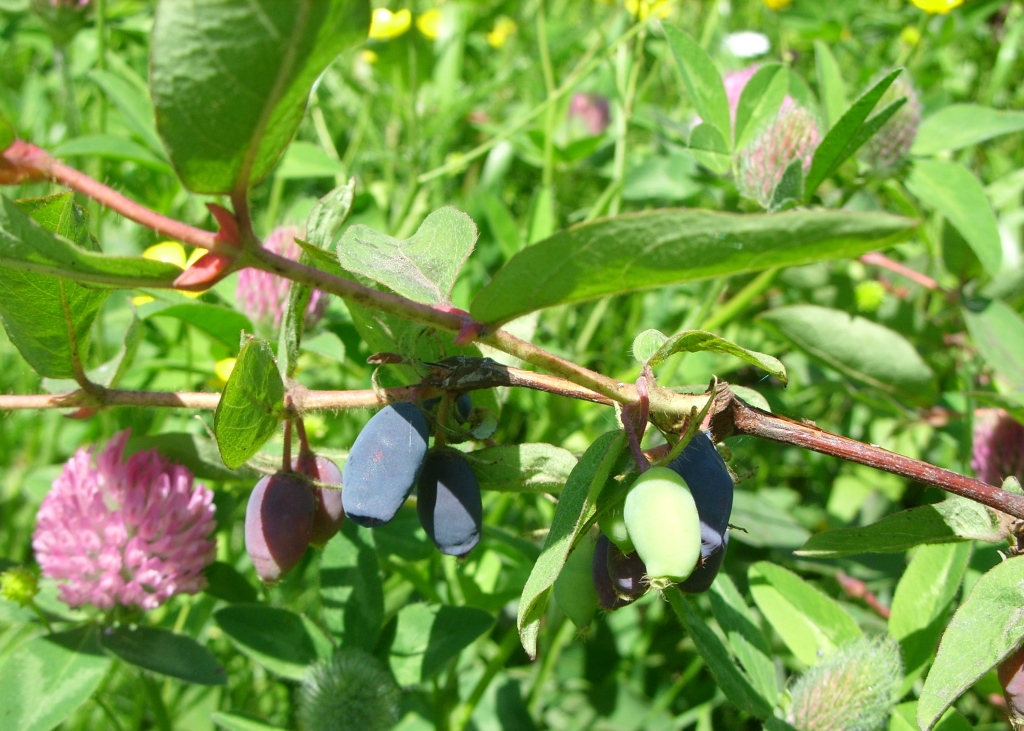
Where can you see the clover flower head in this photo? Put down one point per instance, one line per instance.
(262, 296)
(998, 448)
(891, 144)
(131, 533)
(592, 110)
(794, 135)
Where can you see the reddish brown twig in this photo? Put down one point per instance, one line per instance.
(857, 589)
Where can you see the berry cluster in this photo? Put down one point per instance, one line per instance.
(671, 529)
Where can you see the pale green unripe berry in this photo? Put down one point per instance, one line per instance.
(662, 521)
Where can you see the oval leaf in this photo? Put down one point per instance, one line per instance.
(810, 623)
(967, 652)
(165, 652)
(522, 467)
(998, 333)
(350, 587)
(962, 125)
(858, 348)
(953, 191)
(707, 92)
(422, 268)
(246, 415)
(46, 679)
(229, 80)
(280, 640)
(654, 248)
(428, 637)
(693, 341)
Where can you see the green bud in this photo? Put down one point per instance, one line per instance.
(19, 585)
(853, 689)
(352, 690)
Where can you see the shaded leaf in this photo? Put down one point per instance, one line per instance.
(748, 643)
(221, 323)
(280, 640)
(998, 332)
(703, 82)
(350, 587)
(428, 637)
(165, 652)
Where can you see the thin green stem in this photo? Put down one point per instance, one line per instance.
(566, 631)
(741, 300)
(628, 92)
(548, 176)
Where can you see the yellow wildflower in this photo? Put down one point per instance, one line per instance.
(778, 4)
(368, 56)
(169, 252)
(937, 6)
(503, 28)
(386, 25)
(429, 23)
(644, 9)
(222, 369)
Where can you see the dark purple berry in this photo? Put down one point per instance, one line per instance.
(329, 513)
(711, 485)
(618, 577)
(449, 503)
(707, 569)
(278, 523)
(384, 463)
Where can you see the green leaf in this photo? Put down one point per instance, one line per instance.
(221, 323)
(428, 637)
(733, 682)
(501, 222)
(166, 653)
(225, 582)
(766, 516)
(844, 138)
(646, 344)
(703, 82)
(904, 718)
(790, 188)
(922, 600)
(858, 348)
(653, 248)
(951, 190)
(810, 623)
(998, 332)
(759, 103)
(304, 160)
(710, 148)
(48, 319)
(27, 246)
(748, 643)
(695, 341)
(329, 215)
(229, 80)
(133, 103)
(234, 722)
(962, 125)
(422, 268)
(108, 374)
(950, 521)
(247, 414)
(987, 627)
(350, 587)
(280, 640)
(542, 216)
(522, 467)
(111, 147)
(830, 83)
(576, 505)
(47, 678)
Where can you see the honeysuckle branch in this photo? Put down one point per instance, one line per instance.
(732, 416)
(33, 163)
